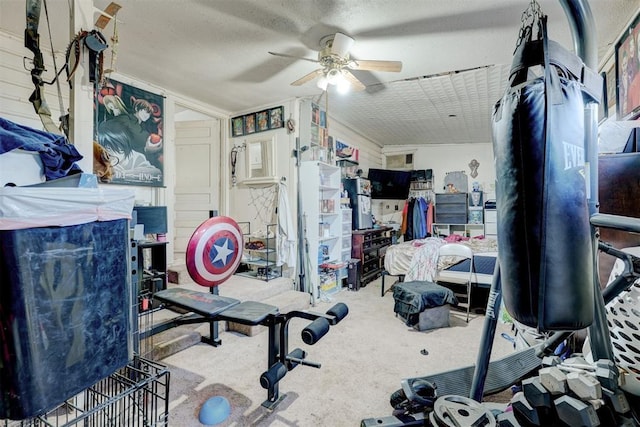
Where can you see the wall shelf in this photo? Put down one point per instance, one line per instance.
(466, 230)
(320, 210)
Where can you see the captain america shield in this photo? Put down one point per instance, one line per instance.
(214, 251)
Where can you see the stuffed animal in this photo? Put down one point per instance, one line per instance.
(102, 167)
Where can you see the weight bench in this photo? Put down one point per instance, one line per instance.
(213, 254)
(209, 307)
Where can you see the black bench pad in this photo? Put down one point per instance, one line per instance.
(203, 303)
(248, 313)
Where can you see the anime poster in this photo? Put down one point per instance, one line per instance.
(129, 127)
(628, 72)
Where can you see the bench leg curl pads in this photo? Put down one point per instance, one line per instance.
(339, 311)
(273, 375)
(315, 330)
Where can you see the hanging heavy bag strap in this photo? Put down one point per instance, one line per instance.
(544, 235)
(545, 52)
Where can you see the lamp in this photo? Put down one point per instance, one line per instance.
(335, 77)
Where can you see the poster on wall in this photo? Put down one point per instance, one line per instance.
(346, 152)
(628, 72)
(129, 126)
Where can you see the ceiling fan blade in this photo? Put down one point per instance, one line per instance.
(356, 84)
(284, 55)
(302, 80)
(341, 44)
(370, 65)
(106, 15)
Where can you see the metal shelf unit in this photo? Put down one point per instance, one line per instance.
(259, 255)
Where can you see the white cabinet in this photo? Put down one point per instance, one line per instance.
(467, 230)
(322, 219)
(345, 243)
(491, 223)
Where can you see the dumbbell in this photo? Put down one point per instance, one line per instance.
(605, 371)
(585, 386)
(540, 399)
(553, 379)
(507, 419)
(581, 383)
(524, 412)
(616, 400)
(574, 412)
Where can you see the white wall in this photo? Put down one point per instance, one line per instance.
(16, 86)
(249, 204)
(242, 200)
(443, 158)
(370, 152)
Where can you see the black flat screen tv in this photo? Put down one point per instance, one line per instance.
(389, 184)
(154, 218)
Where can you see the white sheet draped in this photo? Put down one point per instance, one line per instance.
(286, 238)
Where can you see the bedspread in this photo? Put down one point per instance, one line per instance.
(418, 259)
(397, 259)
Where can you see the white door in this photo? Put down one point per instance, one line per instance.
(197, 190)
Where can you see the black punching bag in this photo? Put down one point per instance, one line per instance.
(544, 236)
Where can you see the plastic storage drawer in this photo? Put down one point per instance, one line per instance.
(66, 300)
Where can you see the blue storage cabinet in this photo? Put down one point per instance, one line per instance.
(66, 312)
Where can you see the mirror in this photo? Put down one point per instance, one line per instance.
(260, 161)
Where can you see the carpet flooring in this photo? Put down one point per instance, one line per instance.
(363, 359)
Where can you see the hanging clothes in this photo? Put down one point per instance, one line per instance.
(286, 238)
(430, 218)
(409, 234)
(418, 219)
(403, 223)
(424, 206)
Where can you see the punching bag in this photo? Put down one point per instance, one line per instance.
(544, 236)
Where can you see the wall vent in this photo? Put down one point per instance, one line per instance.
(402, 161)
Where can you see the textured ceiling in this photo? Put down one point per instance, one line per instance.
(216, 52)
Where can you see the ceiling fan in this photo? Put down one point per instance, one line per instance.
(335, 62)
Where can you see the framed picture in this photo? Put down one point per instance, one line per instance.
(603, 106)
(628, 72)
(262, 121)
(237, 126)
(276, 117)
(611, 89)
(249, 123)
(129, 126)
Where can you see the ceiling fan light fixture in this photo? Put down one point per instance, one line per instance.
(342, 84)
(323, 82)
(333, 76)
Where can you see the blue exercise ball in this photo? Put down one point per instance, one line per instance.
(214, 411)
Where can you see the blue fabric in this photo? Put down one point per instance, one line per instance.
(418, 218)
(57, 155)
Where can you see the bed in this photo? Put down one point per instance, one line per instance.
(418, 260)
